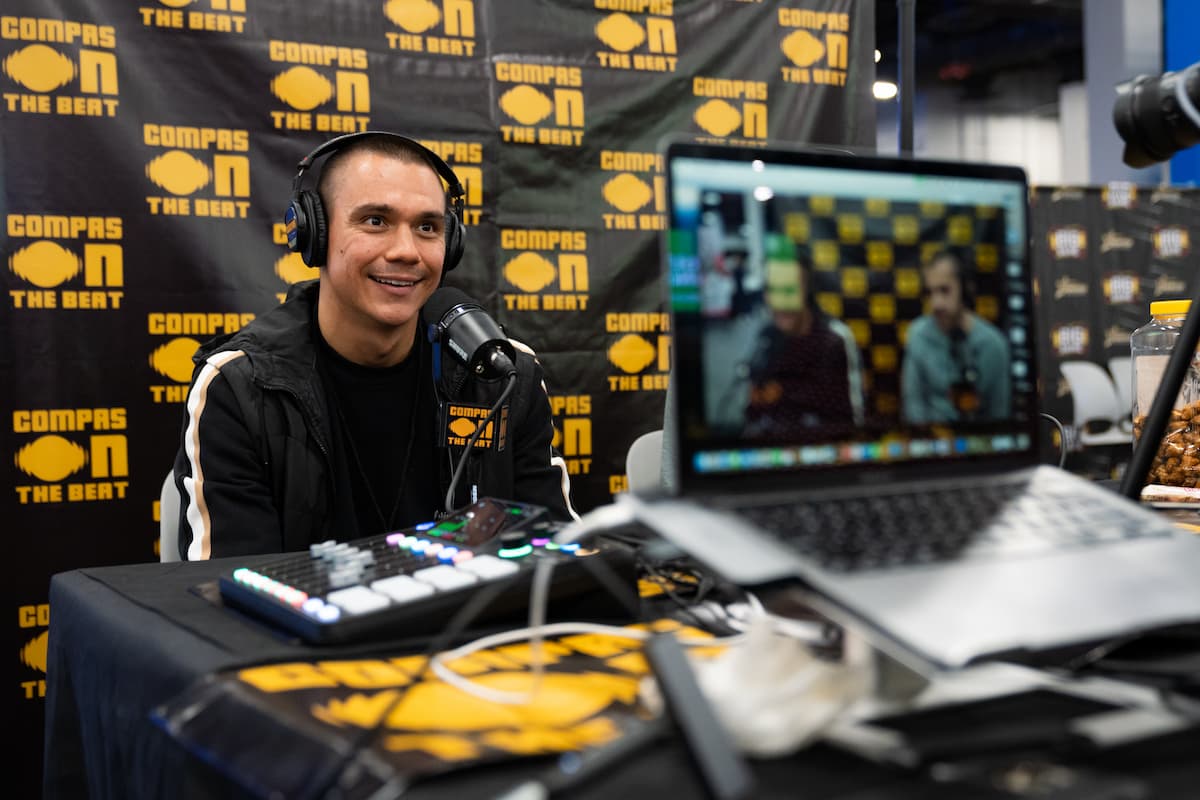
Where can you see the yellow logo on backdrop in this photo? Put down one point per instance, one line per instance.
(1119, 194)
(1069, 241)
(734, 106)
(173, 358)
(573, 433)
(644, 344)
(416, 18)
(622, 34)
(224, 16)
(40, 67)
(1171, 242)
(33, 653)
(637, 191)
(290, 267)
(225, 175)
(550, 116)
(1070, 339)
(819, 47)
(321, 74)
(466, 159)
(561, 265)
(1120, 287)
(1065, 286)
(52, 457)
(47, 264)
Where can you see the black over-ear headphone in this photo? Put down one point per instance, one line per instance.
(305, 215)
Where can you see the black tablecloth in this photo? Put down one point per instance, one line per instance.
(126, 639)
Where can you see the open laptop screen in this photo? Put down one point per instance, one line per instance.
(842, 315)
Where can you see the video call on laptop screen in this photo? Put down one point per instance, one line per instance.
(840, 311)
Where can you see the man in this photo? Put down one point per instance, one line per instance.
(805, 374)
(956, 364)
(320, 419)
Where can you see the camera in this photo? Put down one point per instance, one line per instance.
(1157, 116)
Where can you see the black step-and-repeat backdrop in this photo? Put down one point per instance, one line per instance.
(1102, 255)
(147, 152)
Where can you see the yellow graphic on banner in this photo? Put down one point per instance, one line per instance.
(1119, 287)
(563, 269)
(173, 358)
(573, 431)
(1068, 242)
(33, 653)
(1171, 241)
(623, 34)
(585, 696)
(734, 106)
(289, 267)
(221, 16)
(224, 175)
(1070, 339)
(818, 47)
(321, 74)
(39, 67)
(48, 264)
(466, 159)
(446, 28)
(53, 455)
(644, 344)
(638, 191)
(553, 115)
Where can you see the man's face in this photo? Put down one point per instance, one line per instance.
(945, 294)
(785, 286)
(386, 235)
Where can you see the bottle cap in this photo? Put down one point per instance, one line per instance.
(1169, 308)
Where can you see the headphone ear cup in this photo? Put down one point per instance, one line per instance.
(310, 239)
(455, 242)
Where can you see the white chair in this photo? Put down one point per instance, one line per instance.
(643, 462)
(1121, 368)
(168, 520)
(1098, 411)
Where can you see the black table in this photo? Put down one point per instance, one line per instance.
(126, 639)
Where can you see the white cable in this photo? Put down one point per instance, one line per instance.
(598, 519)
(439, 667)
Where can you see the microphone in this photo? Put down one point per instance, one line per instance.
(963, 393)
(473, 336)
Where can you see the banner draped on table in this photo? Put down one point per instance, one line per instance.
(148, 151)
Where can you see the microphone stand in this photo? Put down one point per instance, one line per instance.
(1150, 441)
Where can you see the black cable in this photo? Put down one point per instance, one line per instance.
(448, 503)
(1062, 439)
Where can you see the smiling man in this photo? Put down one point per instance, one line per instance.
(324, 417)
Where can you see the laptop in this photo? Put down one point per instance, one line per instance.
(803, 316)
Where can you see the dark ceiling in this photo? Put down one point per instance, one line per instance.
(969, 43)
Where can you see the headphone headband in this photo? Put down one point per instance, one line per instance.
(454, 190)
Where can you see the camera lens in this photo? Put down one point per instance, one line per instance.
(1157, 116)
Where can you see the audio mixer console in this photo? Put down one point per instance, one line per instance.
(411, 582)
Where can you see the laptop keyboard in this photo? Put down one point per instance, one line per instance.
(996, 519)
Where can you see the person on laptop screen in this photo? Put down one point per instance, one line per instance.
(956, 363)
(805, 375)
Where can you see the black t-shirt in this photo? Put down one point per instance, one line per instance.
(384, 447)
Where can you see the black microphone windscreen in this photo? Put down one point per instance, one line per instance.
(443, 300)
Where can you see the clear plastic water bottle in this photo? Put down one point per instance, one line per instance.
(1178, 460)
